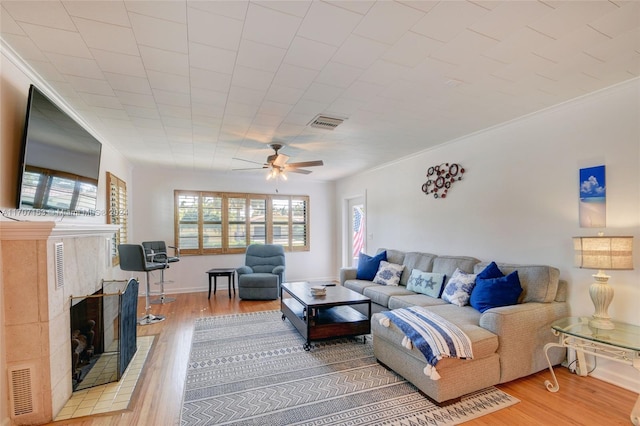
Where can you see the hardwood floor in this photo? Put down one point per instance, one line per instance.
(157, 399)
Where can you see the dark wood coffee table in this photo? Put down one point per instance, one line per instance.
(324, 317)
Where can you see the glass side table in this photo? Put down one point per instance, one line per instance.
(622, 344)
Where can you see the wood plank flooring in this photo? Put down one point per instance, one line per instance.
(157, 399)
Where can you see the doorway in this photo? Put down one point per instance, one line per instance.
(356, 214)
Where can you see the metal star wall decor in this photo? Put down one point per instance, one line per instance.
(440, 178)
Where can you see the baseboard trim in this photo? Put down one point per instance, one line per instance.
(222, 285)
(617, 374)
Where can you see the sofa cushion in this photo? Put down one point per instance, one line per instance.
(494, 292)
(358, 285)
(380, 293)
(368, 265)
(429, 283)
(393, 256)
(416, 260)
(388, 273)
(404, 301)
(468, 320)
(458, 289)
(448, 264)
(483, 342)
(539, 282)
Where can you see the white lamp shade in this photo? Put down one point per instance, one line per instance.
(603, 252)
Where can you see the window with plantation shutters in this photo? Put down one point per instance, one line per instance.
(257, 219)
(299, 224)
(117, 213)
(289, 219)
(237, 222)
(224, 222)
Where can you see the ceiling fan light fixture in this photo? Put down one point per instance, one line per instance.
(277, 164)
(276, 173)
(271, 174)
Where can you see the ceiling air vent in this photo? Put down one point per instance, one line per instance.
(325, 122)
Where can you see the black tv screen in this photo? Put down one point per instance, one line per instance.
(60, 161)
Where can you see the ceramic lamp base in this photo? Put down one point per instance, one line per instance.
(601, 295)
(601, 324)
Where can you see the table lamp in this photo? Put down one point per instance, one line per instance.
(602, 253)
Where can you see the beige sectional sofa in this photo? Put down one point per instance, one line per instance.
(507, 341)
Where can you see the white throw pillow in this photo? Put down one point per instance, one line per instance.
(388, 273)
(458, 289)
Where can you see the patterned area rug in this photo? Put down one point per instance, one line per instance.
(251, 369)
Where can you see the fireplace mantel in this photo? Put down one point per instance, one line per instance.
(42, 230)
(36, 305)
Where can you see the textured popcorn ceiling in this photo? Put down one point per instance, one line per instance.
(193, 84)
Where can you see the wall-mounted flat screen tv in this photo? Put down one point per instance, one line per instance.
(60, 161)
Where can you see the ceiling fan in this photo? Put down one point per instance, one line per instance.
(278, 164)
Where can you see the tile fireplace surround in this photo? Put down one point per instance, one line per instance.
(38, 277)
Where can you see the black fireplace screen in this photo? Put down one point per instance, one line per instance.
(103, 333)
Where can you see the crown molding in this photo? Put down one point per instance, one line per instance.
(45, 87)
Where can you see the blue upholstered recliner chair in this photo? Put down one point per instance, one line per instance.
(262, 273)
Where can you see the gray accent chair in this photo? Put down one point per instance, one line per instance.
(262, 273)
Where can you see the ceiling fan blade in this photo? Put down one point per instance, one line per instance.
(280, 160)
(306, 164)
(294, 170)
(248, 161)
(251, 168)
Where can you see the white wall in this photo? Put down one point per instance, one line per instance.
(518, 200)
(152, 198)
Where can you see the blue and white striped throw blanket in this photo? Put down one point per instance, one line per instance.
(433, 335)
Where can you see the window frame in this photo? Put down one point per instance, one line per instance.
(226, 221)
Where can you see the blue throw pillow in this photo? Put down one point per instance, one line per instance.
(491, 271)
(368, 265)
(493, 292)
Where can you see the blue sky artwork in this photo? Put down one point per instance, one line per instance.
(592, 182)
(593, 200)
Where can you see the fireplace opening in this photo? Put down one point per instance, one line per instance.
(103, 333)
(87, 341)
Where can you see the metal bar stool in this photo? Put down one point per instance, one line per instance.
(156, 252)
(133, 258)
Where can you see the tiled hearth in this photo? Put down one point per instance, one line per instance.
(112, 396)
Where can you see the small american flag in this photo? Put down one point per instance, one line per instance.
(358, 231)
